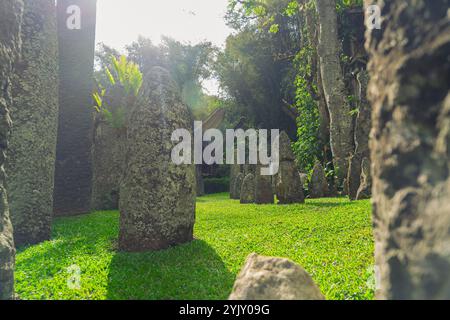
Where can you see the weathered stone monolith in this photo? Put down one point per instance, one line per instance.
(268, 278)
(410, 95)
(235, 169)
(318, 186)
(248, 189)
(157, 197)
(263, 188)
(31, 154)
(10, 24)
(288, 186)
(73, 172)
(238, 185)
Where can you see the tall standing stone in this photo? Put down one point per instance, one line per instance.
(263, 188)
(34, 113)
(10, 23)
(157, 197)
(318, 186)
(237, 186)
(288, 186)
(365, 188)
(410, 94)
(248, 189)
(73, 172)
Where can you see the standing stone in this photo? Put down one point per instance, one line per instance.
(409, 91)
(288, 186)
(108, 164)
(34, 113)
(267, 278)
(200, 184)
(365, 189)
(318, 186)
(73, 171)
(263, 188)
(286, 153)
(248, 189)
(238, 185)
(10, 22)
(157, 197)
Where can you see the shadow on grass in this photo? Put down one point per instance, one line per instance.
(190, 271)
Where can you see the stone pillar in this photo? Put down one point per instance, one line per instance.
(248, 189)
(157, 197)
(34, 113)
(288, 186)
(73, 172)
(200, 184)
(10, 23)
(410, 95)
(263, 188)
(318, 186)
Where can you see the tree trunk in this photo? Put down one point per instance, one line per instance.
(10, 23)
(341, 139)
(73, 172)
(410, 95)
(31, 154)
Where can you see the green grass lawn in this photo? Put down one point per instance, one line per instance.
(330, 238)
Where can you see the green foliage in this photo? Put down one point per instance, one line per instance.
(331, 238)
(216, 185)
(189, 65)
(118, 93)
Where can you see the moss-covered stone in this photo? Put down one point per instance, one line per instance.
(31, 153)
(410, 94)
(157, 197)
(73, 171)
(10, 23)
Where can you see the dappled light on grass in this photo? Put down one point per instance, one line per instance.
(330, 238)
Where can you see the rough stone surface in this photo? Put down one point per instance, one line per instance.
(157, 197)
(248, 189)
(289, 188)
(286, 153)
(365, 188)
(318, 186)
(409, 92)
(10, 22)
(263, 188)
(34, 113)
(108, 162)
(238, 185)
(267, 278)
(73, 171)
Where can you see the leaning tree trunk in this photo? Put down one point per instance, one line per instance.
(73, 172)
(10, 23)
(341, 138)
(410, 95)
(34, 114)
